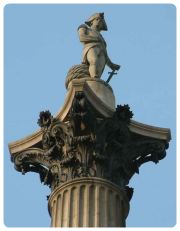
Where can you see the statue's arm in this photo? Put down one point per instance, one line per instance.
(112, 65)
(84, 35)
(108, 63)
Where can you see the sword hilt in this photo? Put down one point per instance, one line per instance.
(111, 73)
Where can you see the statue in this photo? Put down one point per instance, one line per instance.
(89, 152)
(94, 52)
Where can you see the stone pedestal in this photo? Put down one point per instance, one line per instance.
(88, 202)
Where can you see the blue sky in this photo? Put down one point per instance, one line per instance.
(41, 44)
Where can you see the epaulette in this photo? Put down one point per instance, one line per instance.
(83, 26)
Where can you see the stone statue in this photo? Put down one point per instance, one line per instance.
(94, 52)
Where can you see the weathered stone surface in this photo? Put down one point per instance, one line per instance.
(95, 54)
(88, 202)
(34, 140)
(80, 71)
(90, 150)
(89, 145)
(101, 92)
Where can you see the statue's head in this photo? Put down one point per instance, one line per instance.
(98, 21)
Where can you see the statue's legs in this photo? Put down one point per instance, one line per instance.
(97, 62)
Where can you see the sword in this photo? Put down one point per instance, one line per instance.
(111, 73)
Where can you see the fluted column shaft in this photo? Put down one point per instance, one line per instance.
(88, 202)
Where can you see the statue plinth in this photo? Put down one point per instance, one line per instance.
(87, 155)
(88, 202)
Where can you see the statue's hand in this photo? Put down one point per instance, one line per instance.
(115, 67)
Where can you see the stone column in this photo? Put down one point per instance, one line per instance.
(88, 154)
(88, 202)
